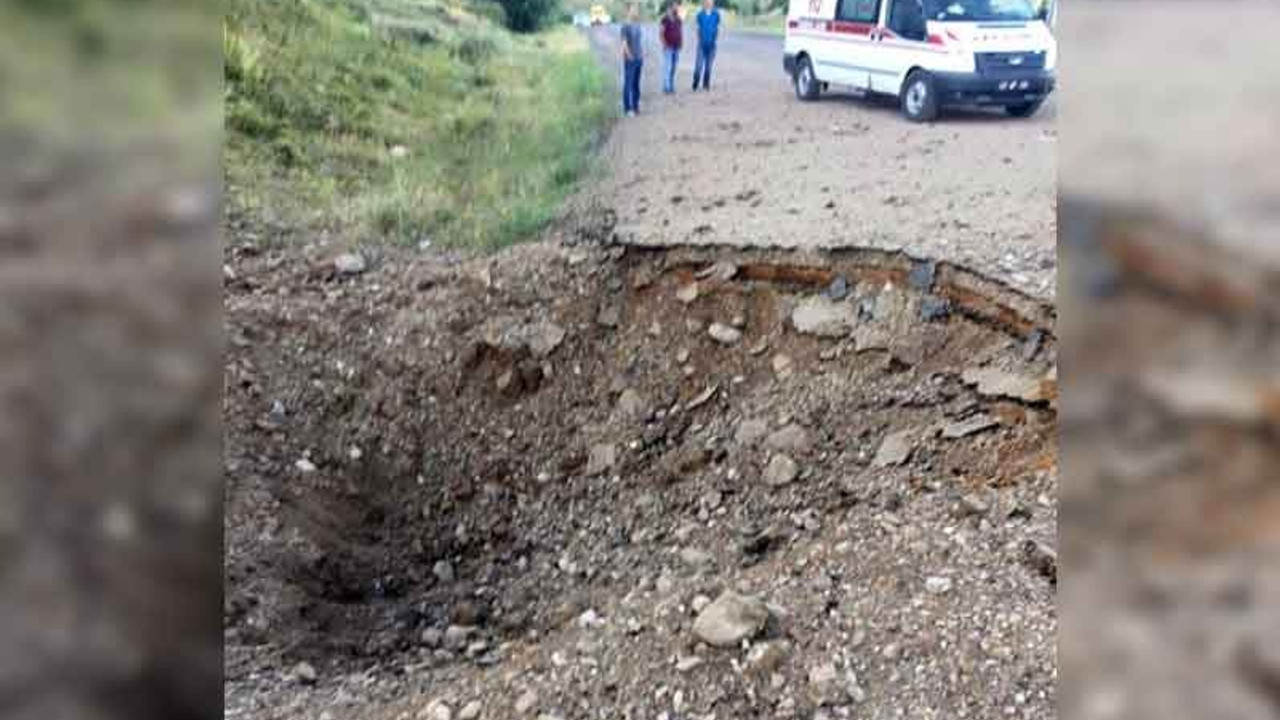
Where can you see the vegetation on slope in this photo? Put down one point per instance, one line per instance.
(405, 119)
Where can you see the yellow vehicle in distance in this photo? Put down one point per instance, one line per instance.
(600, 16)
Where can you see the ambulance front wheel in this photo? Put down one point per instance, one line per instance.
(920, 97)
(808, 87)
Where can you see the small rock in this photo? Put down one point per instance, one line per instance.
(470, 711)
(724, 334)
(305, 673)
(826, 687)
(1042, 558)
(934, 308)
(838, 289)
(922, 275)
(544, 338)
(895, 449)
(994, 382)
(436, 711)
(738, 321)
(305, 465)
(790, 439)
(610, 315)
(782, 365)
(631, 405)
(700, 603)
(456, 636)
(822, 317)
(399, 152)
(432, 637)
(590, 620)
(687, 663)
(696, 558)
(602, 458)
(682, 357)
(781, 471)
(687, 293)
(349, 264)
(972, 506)
(937, 585)
(443, 571)
(701, 398)
(766, 658)
(526, 703)
(731, 619)
(972, 426)
(722, 271)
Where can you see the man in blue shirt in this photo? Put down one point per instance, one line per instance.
(708, 29)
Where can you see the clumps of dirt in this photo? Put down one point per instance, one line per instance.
(508, 487)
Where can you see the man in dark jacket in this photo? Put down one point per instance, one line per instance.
(708, 31)
(632, 61)
(672, 39)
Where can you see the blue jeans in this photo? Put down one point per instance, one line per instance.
(702, 67)
(631, 85)
(670, 56)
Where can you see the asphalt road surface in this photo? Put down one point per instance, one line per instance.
(749, 164)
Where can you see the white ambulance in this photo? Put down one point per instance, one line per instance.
(930, 54)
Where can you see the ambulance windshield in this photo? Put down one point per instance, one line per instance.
(980, 10)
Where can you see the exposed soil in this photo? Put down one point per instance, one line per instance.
(514, 481)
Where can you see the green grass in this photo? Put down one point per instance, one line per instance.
(498, 128)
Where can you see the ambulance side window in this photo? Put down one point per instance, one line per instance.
(863, 11)
(906, 18)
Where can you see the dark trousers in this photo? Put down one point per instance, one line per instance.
(631, 85)
(702, 66)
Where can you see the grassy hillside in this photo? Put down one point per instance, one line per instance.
(405, 119)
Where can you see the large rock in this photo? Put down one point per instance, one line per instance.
(731, 619)
(824, 317)
(895, 449)
(994, 382)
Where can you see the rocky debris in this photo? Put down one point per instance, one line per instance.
(792, 439)
(703, 397)
(436, 710)
(443, 570)
(972, 506)
(687, 293)
(823, 317)
(432, 637)
(305, 465)
(762, 542)
(722, 271)
(934, 308)
(781, 471)
(456, 637)
(696, 559)
(724, 334)
(683, 462)
(937, 585)
(922, 275)
(632, 406)
(731, 619)
(601, 459)
(305, 673)
(352, 263)
(750, 431)
(610, 315)
(838, 289)
(471, 711)
(971, 426)
(766, 658)
(544, 337)
(782, 365)
(895, 449)
(1042, 558)
(993, 382)
(828, 688)
(525, 703)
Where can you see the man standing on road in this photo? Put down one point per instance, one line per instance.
(708, 30)
(632, 60)
(672, 39)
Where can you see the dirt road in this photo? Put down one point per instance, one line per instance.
(750, 164)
